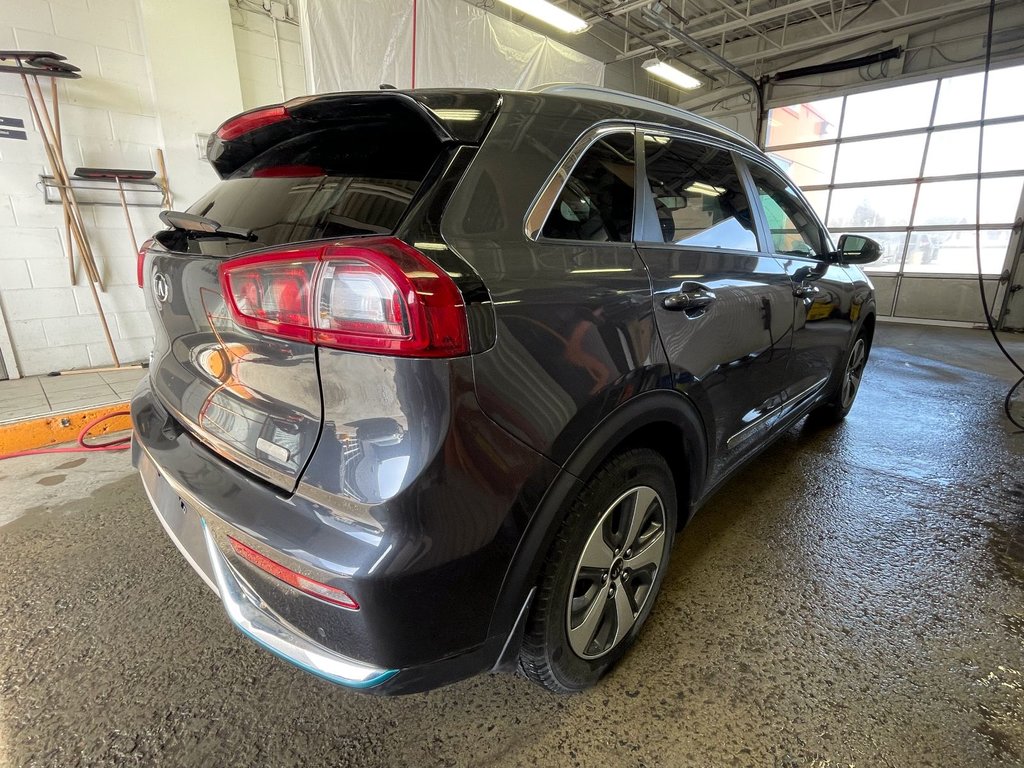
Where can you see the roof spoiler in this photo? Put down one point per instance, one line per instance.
(460, 117)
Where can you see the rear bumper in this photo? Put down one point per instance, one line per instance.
(185, 520)
(427, 566)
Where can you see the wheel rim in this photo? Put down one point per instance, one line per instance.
(854, 372)
(616, 572)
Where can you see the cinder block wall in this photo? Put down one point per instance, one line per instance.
(117, 115)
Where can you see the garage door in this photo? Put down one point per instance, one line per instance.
(901, 165)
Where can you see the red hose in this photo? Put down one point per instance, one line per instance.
(117, 444)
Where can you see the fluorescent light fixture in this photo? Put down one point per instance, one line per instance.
(657, 139)
(457, 114)
(670, 74)
(549, 13)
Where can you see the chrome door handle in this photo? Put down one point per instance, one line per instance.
(689, 297)
(806, 291)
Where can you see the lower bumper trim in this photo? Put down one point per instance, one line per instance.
(191, 534)
(246, 611)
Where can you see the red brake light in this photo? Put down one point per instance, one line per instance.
(290, 171)
(302, 583)
(250, 121)
(374, 295)
(140, 263)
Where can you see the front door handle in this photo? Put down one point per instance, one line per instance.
(690, 297)
(806, 291)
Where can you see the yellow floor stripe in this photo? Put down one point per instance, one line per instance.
(59, 428)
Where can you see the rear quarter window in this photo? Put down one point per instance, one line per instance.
(596, 203)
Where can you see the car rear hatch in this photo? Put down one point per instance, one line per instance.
(323, 170)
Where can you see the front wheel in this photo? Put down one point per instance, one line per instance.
(602, 574)
(835, 409)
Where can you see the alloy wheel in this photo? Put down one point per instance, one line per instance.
(616, 572)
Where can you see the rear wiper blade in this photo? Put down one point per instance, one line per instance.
(201, 226)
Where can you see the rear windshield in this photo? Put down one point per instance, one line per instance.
(338, 181)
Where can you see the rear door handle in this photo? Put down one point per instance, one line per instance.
(806, 291)
(690, 297)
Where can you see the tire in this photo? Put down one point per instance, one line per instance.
(588, 612)
(834, 410)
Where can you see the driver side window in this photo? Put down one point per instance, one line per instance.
(794, 230)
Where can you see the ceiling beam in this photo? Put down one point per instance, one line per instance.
(615, 10)
(893, 26)
(732, 26)
(747, 25)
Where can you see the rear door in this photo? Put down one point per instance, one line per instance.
(723, 307)
(253, 398)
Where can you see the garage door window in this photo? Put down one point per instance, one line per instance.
(901, 165)
(696, 196)
(596, 203)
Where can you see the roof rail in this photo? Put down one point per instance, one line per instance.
(610, 96)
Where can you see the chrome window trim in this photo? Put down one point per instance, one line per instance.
(544, 202)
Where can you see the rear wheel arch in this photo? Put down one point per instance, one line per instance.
(663, 420)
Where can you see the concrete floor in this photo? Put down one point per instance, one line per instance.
(854, 597)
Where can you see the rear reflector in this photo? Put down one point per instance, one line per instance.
(250, 121)
(313, 588)
(376, 295)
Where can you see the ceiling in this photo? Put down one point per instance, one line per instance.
(759, 37)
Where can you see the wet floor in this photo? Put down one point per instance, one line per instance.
(854, 597)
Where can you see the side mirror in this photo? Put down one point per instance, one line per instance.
(857, 249)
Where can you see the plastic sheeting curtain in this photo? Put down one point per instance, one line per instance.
(360, 44)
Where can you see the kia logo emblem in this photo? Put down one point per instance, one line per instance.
(161, 287)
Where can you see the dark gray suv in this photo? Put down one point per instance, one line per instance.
(438, 375)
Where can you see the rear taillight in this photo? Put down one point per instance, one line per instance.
(376, 295)
(302, 583)
(250, 121)
(140, 264)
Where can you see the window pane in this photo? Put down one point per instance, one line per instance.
(880, 159)
(819, 201)
(892, 251)
(956, 151)
(1004, 147)
(959, 99)
(952, 152)
(956, 252)
(889, 109)
(871, 207)
(946, 202)
(797, 123)
(793, 228)
(999, 200)
(596, 202)
(697, 194)
(1004, 89)
(809, 166)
